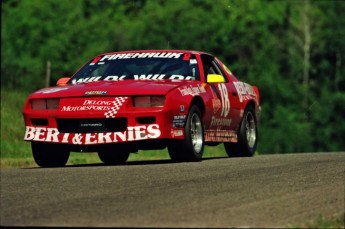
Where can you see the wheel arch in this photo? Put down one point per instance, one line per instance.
(197, 101)
(257, 109)
(251, 103)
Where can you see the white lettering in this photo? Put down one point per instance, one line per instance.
(29, 133)
(40, 133)
(106, 57)
(133, 133)
(225, 100)
(130, 134)
(153, 131)
(114, 78)
(52, 135)
(140, 133)
(176, 77)
(120, 135)
(104, 138)
(65, 138)
(90, 139)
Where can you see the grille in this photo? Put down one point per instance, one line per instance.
(92, 125)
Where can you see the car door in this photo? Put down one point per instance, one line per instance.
(225, 106)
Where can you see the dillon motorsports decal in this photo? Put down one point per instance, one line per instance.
(109, 106)
(133, 133)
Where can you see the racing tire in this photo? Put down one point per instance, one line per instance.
(113, 158)
(49, 154)
(191, 148)
(247, 136)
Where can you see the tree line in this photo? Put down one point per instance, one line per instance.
(292, 50)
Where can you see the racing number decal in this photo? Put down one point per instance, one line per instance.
(225, 100)
(186, 56)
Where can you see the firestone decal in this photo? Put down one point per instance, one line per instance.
(220, 122)
(133, 133)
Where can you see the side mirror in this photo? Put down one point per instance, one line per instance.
(215, 78)
(63, 81)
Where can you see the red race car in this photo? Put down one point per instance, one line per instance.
(120, 102)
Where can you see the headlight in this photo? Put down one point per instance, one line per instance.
(149, 101)
(45, 104)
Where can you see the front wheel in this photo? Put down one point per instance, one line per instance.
(49, 155)
(247, 136)
(191, 147)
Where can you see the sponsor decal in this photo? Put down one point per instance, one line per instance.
(119, 101)
(220, 122)
(221, 136)
(216, 105)
(177, 133)
(134, 77)
(137, 55)
(133, 133)
(244, 89)
(95, 92)
(111, 106)
(86, 80)
(192, 90)
(178, 121)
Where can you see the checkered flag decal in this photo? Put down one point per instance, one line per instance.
(119, 101)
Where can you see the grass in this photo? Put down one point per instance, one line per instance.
(12, 125)
(337, 221)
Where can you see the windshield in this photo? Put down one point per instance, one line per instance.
(139, 66)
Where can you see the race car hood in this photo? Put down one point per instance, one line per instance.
(112, 88)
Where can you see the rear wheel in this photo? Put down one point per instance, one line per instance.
(49, 155)
(111, 157)
(247, 136)
(191, 147)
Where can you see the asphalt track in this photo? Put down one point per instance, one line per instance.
(263, 191)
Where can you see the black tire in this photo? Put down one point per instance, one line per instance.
(111, 157)
(247, 136)
(191, 148)
(49, 154)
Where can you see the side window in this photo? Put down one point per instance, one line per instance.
(214, 69)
